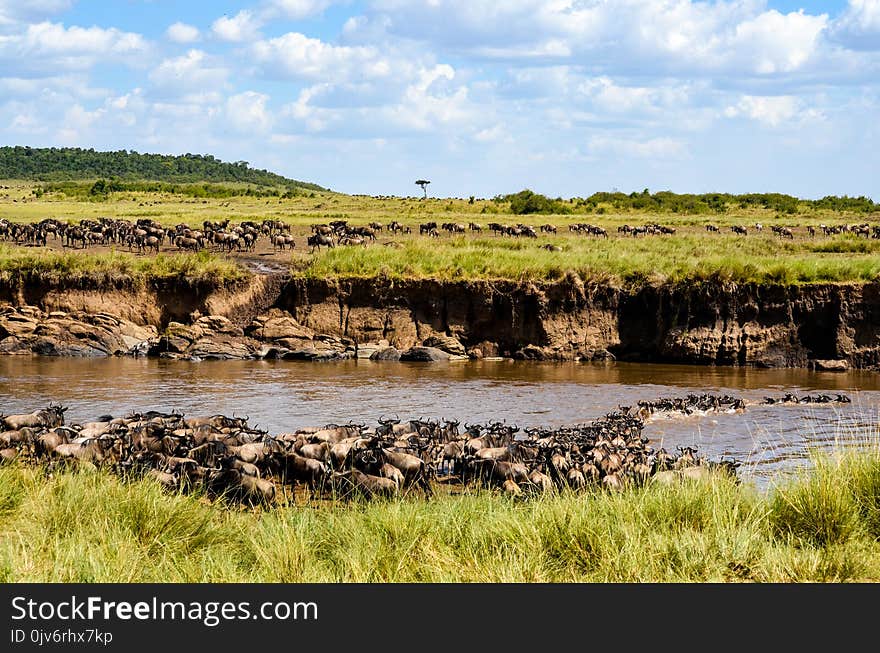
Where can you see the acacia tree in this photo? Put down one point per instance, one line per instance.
(424, 184)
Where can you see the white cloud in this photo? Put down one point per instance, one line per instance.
(297, 9)
(493, 134)
(189, 73)
(51, 45)
(424, 107)
(773, 43)
(14, 11)
(247, 112)
(427, 103)
(28, 124)
(182, 33)
(244, 26)
(297, 56)
(77, 121)
(549, 49)
(69, 86)
(772, 111)
(650, 148)
(677, 37)
(609, 97)
(859, 26)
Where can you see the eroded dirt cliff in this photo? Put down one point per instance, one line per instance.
(830, 326)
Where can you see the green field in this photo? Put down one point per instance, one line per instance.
(822, 526)
(761, 259)
(691, 253)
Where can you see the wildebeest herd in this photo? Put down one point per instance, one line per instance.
(146, 236)
(225, 456)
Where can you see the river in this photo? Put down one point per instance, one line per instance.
(282, 396)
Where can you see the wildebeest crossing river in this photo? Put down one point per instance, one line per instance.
(283, 396)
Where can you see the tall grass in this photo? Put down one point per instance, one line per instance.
(758, 259)
(93, 527)
(46, 263)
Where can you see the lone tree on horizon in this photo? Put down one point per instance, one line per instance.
(424, 184)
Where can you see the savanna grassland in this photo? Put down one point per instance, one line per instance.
(692, 253)
(822, 525)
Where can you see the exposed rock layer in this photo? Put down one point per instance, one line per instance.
(831, 326)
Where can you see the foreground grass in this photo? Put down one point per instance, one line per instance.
(757, 259)
(90, 527)
(44, 263)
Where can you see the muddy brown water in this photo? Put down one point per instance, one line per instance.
(283, 395)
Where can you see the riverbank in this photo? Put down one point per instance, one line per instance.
(826, 326)
(93, 527)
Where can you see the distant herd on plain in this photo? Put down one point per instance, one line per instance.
(146, 236)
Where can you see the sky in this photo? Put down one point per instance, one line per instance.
(481, 97)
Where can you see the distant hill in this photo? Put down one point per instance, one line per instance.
(72, 163)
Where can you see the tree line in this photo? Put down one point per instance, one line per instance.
(527, 201)
(72, 163)
(103, 188)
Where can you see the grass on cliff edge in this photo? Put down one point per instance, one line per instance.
(759, 259)
(90, 527)
(48, 264)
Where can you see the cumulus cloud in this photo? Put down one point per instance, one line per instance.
(611, 97)
(772, 111)
(297, 56)
(673, 36)
(859, 26)
(244, 26)
(424, 105)
(772, 42)
(14, 11)
(427, 103)
(51, 46)
(623, 88)
(182, 33)
(189, 73)
(247, 112)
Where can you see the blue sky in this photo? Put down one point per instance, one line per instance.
(482, 97)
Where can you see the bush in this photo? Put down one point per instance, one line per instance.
(526, 202)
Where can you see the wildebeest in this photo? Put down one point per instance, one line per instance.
(292, 467)
(242, 487)
(48, 417)
(355, 482)
(225, 456)
(183, 242)
(282, 241)
(320, 240)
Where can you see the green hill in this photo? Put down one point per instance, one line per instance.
(72, 163)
